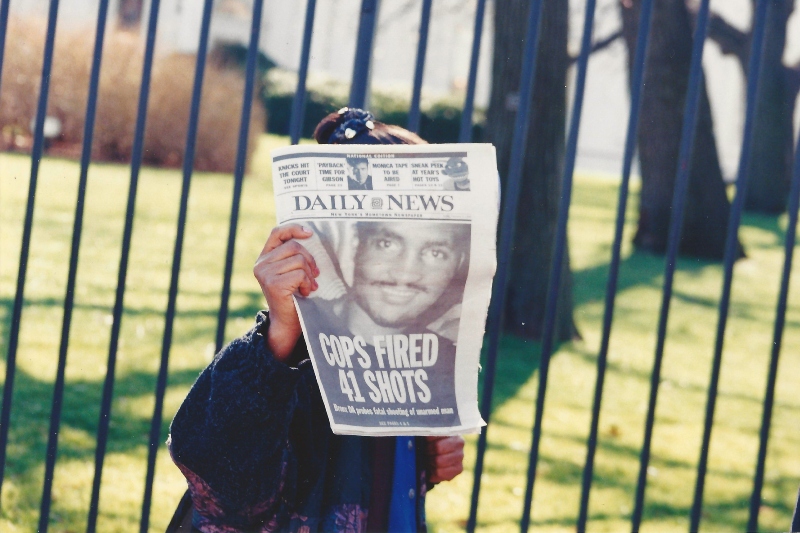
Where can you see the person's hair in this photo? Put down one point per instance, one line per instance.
(333, 130)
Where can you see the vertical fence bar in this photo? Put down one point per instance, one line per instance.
(3, 28)
(675, 229)
(36, 157)
(361, 65)
(299, 100)
(116, 324)
(754, 70)
(507, 225)
(777, 339)
(731, 249)
(637, 85)
(422, 47)
(169, 319)
(241, 162)
(560, 250)
(465, 132)
(69, 298)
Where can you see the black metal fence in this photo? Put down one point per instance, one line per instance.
(358, 93)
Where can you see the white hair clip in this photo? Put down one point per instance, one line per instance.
(370, 125)
(342, 111)
(349, 133)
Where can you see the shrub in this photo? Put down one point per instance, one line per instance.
(440, 121)
(168, 109)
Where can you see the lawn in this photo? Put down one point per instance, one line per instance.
(682, 396)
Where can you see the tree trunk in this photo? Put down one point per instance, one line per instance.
(770, 172)
(771, 164)
(130, 13)
(666, 83)
(543, 165)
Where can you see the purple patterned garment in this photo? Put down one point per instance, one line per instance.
(252, 439)
(210, 517)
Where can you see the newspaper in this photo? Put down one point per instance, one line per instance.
(404, 238)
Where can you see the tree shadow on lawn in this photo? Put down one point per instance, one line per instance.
(769, 224)
(128, 432)
(729, 513)
(518, 358)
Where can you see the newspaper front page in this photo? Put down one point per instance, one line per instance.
(404, 238)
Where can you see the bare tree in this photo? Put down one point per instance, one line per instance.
(666, 82)
(538, 201)
(771, 168)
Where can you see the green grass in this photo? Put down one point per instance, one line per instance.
(682, 396)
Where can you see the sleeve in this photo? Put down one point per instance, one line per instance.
(232, 435)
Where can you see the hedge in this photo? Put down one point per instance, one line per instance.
(440, 121)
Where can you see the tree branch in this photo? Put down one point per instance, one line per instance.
(600, 45)
(731, 40)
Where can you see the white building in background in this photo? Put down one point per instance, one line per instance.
(334, 38)
(606, 105)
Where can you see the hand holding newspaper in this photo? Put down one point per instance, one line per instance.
(404, 238)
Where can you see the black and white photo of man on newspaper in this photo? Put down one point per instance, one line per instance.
(383, 324)
(358, 178)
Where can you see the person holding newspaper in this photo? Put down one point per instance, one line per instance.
(252, 437)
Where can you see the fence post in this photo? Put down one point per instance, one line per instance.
(299, 100)
(560, 249)
(422, 47)
(465, 132)
(127, 233)
(36, 157)
(361, 65)
(4, 4)
(637, 86)
(507, 225)
(777, 338)
(169, 318)
(675, 228)
(241, 163)
(69, 297)
(731, 248)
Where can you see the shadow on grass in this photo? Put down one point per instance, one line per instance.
(518, 361)
(129, 431)
(30, 418)
(767, 223)
(730, 513)
(518, 358)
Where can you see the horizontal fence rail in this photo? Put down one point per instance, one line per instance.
(360, 84)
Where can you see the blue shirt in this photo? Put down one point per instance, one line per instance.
(403, 504)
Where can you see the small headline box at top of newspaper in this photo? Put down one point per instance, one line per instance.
(341, 172)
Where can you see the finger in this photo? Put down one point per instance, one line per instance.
(446, 474)
(285, 250)
(295, 281)
(295, 262)
(442, 445)
(282, 234)
(449, 459)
